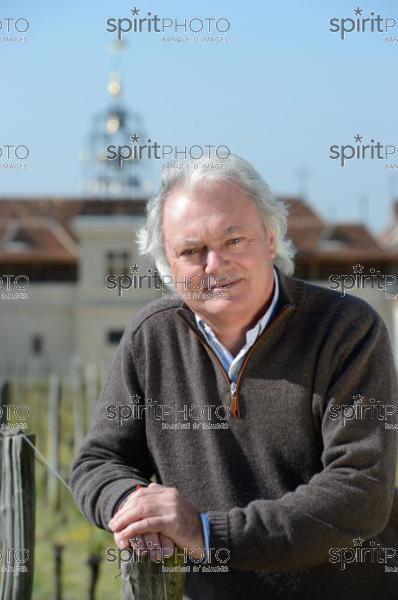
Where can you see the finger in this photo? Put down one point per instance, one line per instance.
(136, 543)
(153, 547)
(147, 525)
(121, 510)
(133, 513)
(125, 506)
(124, 503)
(167, 545)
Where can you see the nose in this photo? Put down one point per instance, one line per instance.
(215, 262)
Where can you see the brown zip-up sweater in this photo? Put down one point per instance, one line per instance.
(288, 484)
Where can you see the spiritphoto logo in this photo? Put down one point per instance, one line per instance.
(361, 22)
(173, 417)
(14, 416)
(172, 560)
(13, 30)
(206, 287)
(359, 554)
(172, 29)
(152, 150)
(13, 560)
(361, 280)
(363, 410)
(14, 156)
(361, 150)
(13, 287)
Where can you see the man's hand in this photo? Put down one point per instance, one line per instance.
(156, 546)
(163, 517)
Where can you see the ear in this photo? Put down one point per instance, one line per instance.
(271, 237)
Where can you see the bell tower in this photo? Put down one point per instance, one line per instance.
(114, 126)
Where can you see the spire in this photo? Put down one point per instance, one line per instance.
(113, 127)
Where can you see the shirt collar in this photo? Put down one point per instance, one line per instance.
(254, 332)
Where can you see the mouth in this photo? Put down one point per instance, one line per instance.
(223, 287)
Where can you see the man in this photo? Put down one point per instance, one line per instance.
(279, 480)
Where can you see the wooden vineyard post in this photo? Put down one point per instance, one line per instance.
(91, 381)
(5, 399)
(54, 408)
(78, 408)
(93, 561)
(4, 402)
(58, 550)
(145, 580)
(17, 509)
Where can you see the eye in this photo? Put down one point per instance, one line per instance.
(189, 251)
(234, 241)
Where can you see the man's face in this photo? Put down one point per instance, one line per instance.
(214, 232)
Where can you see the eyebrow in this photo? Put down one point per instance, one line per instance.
(233, 228)
(226, 231)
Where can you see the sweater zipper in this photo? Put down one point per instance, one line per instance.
(234, 389)
(232, 385)
(234, 401)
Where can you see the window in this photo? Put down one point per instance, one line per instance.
(114, 336)
(117, 263)
(37, 345)
(19, 241)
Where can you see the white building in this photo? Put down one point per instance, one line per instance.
(69, 311)
(67, 248)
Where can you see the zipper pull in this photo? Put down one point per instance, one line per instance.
(234, 401)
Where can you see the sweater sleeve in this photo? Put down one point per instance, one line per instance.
(352, 495)
(113, 457)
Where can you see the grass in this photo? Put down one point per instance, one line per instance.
(79, 539)
(66, 527)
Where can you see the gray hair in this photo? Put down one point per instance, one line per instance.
(189, 174)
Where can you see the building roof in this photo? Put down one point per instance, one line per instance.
(63, 210)
(389, 238)
(305, 226)
(319, 241)
(37, 231)
(40, 231)
(36, 240)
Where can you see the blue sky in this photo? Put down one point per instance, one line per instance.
(280, 92)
